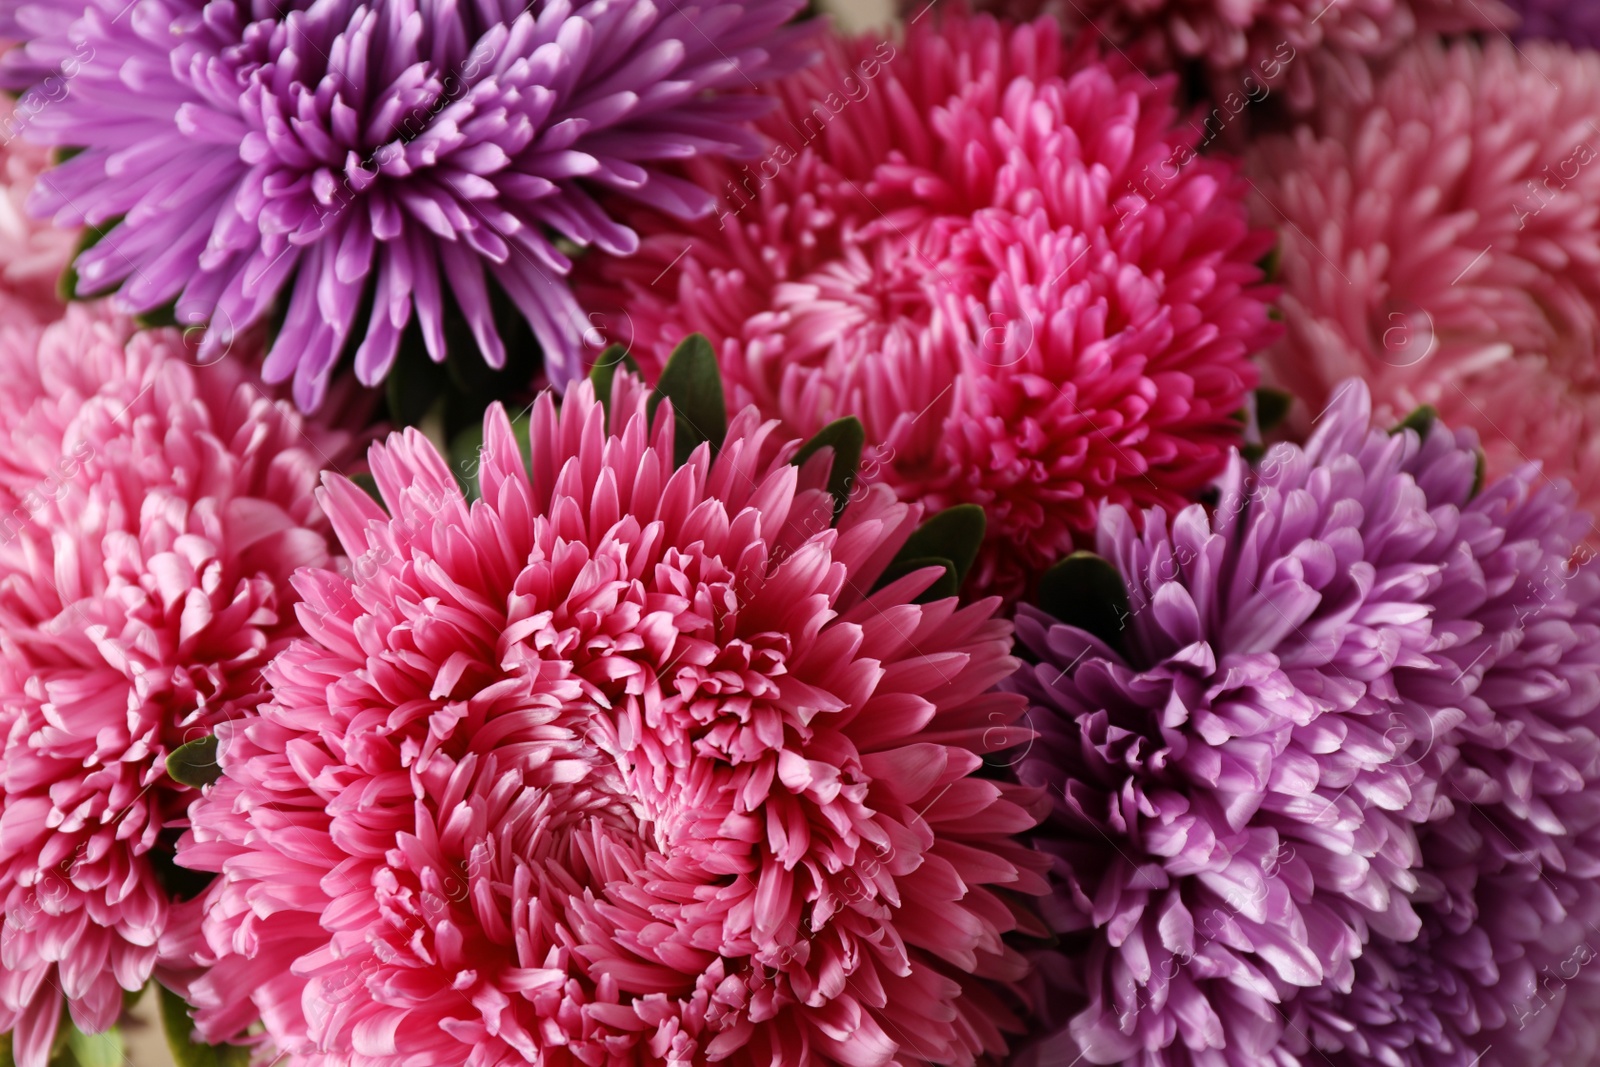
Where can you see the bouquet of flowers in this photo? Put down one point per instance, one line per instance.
(593, 533)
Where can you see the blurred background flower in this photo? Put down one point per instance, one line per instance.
(1443, 242)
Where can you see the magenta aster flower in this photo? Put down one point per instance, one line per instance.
(1253, 49)
(152, 514)
(1331, 791)
(1443, 243)
(370, 161)
(620, 764)
(1005, 260)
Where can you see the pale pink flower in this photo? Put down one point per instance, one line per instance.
(151, 512)
(1443, 243)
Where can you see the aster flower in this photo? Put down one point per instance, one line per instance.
(32, 253)
(1574, 21)
(152, 514)
(1443, 243)
(622, 763)
(1004, 259)
(1297, 49)
(368, 162)
(1330, 789)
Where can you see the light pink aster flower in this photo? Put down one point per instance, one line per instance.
(1443, 243)
(1006, 260)
(151, 512)
(620, 764)
(33, 253)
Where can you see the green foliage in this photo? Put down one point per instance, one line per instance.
(1086, 591)
(188, 1052)
(847, 438)
(693, 382)
(951, 540)
(195, 764)
(1421, 420)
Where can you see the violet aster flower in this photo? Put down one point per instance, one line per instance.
(1575, 21)
(1342, 712)
(371, 162)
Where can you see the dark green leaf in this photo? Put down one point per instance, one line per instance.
(604, 372)
(847, 438)
(155, 318)
(1252, 453)
(1420, 420)
(693, 382)
(6, 1059)
(1272, 407)
(955, 534)
(195, 764)
(947, 585)
(1085, 591)
(67, 284)
(1270, 262)
(1478, 475)
(186, 1051)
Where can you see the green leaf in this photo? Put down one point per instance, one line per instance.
(155, 318)
(1478, 474)
(195, 764)
(6, 1059)
(1270, 263)
(67, 284)
(416, 384)
(604, 372)
(96, 1050)
(847, 438)
(188, 1052)
(948, 585)
(1086, 591)
(693, 382)
(955, 534)
(1272, 407)
(1420, 420)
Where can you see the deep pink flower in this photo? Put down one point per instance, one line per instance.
(1443, 243)
(619, 764)
(151, 512)
(1006, 260)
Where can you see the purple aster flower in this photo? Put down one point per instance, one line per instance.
(1574, 21)
(372, 160)
(1278, 773)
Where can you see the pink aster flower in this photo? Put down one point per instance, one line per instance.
(32, 253)
(151, 512)
(1007, 261)
(619, 764)
(1250, 49)
(1443, 243)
